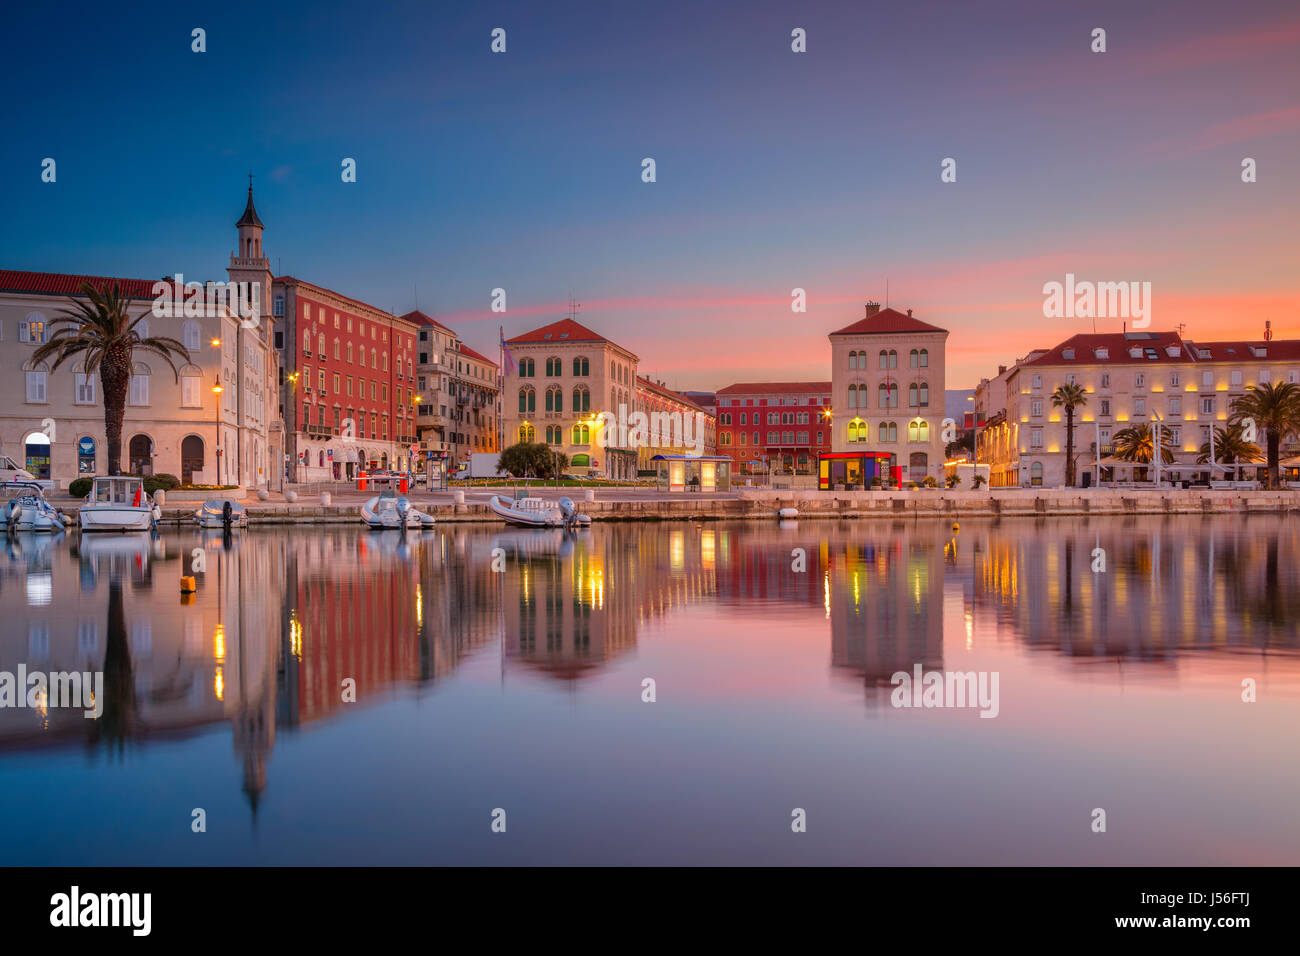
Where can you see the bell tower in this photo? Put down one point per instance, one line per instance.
(248, 263)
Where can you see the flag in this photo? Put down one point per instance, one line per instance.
(508, 362)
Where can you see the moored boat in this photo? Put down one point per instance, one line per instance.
(27, 510)
(117, 503)
(221, 513)
(388, 511)
(532, 512)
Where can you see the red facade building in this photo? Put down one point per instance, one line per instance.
(774, 427)
(350, 385)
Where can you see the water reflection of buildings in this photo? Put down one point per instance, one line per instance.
(1169, 585)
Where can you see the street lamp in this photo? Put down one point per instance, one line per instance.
(216, 390)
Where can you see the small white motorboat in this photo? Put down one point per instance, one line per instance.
(27, 510)
(786, 514)
(118, 503)
(528, 512)
(221, 513)
(387, 511)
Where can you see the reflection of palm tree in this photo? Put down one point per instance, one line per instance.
(1230, 447)
(116, 724)
(1136, 443)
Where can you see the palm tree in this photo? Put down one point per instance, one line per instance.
(1231, 447)
(1069, 397)
(98, 329)
(1137, 443)
(1274, 408)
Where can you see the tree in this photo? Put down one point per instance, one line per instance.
(1069, 396)
(1137, 442)
(1275, 409)
(532, 460)
(99, 329)
(1231, 447)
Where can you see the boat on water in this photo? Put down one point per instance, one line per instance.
(221, 513)
(118, 503)
(25, 508)
(532, 512)
(387, 511)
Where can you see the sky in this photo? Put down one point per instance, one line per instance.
(774, 170)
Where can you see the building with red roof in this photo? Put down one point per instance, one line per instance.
(1185, 388)
(774, 427)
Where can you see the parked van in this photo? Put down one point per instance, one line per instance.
(10, 471)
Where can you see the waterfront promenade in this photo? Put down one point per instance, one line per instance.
(649, 504)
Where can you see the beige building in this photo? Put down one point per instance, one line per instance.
(887, 378)
(1130, 378)
(459, 411)
(52, 420)
(558, 380)
(685, 428)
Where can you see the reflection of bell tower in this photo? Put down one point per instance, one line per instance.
(248, 263)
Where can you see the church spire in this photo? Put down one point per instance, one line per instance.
(249, 218)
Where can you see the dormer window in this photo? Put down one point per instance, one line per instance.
(1102, 353)
(1135, 352)
(1203, 353)
(1067, 354)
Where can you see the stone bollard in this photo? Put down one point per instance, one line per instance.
(291, 496)
(160, 497)
(263, 494)
(459, 498)
(325, 499)
(591, 494)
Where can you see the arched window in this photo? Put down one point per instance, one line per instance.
(320, 342)
(581, 434)
(555, 399)
(190, 335)
(336, 350)
(887, 395)
(911, 395)
(853, 360)
(384, 367)
(349, 353)
(857, 431)
(527, 432)
(581, 367)
(889, 432)
(527, 400)
(527, 368)
(373, 356)
(554, 367)
(913, 359)
(924, 399)
(139, 394)
(918, 463)
(140, 455)
(925, 358)
(853, 396)
(306, 343)
(918, 431)
(884, 359)
(1036, 473)
(581, 398)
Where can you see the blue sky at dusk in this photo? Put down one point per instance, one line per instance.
(775, 170)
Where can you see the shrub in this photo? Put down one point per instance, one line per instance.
(911, 486)
(954, 481)
(80, 487)
(164, 482)
(978, 480)
(930, 481)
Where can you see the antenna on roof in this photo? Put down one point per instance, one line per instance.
(1268, 330)
(886, 292)
(1182, 327)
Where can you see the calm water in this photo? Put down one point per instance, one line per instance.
(522, 690)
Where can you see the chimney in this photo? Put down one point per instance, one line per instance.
(1002, 369)
(872, 309)
(909, 313)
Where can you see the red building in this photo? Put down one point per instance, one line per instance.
(774, 427)
(349, 388)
